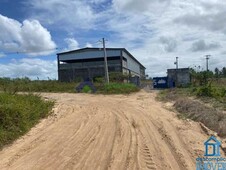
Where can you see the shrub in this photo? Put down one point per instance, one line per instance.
(18, 113)
(205, 91)
(210, 91)
(213, 119)
(98, 80)
(117, 77)
(26, 85)
(86, 89)
(118, 88)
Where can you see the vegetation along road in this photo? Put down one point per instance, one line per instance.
(107, 132)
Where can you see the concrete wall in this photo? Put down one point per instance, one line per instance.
(180, 77)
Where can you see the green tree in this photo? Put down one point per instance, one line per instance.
(201, 78)
(217, 73)
(223, 71)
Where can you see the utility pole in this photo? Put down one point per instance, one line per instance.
(207, 63)
(105, 63)
(176, 71)
(176, 63)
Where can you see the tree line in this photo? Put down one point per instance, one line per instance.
(220, 72)
(205, 77)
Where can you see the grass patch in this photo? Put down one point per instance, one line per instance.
(209, 94)
(118, 88)
(13, 86)
(210, 117)
(173, 94)
(206, 105)
(18, 113)
(27, 85)
(212, 94)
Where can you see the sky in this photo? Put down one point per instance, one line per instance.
(155, 32)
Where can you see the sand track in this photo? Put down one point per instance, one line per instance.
(107, 132)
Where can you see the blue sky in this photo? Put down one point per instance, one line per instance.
(155, 32)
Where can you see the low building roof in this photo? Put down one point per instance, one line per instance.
(91, 49)
(173, 69)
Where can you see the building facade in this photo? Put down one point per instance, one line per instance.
(178, 77)
(89, 63)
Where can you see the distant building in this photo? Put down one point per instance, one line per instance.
(160, 82)
(89, 63)
(178, 77)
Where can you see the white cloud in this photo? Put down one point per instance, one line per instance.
(154, 31)
(142, 6)
(213, 22)
(201, 45)
(27, 37)
(67, 14)
(209, 15)
(156, 38)
(89, 45)
(96, 1)
(2, 55)
(71, 43)
(168, 43)
(29, 67)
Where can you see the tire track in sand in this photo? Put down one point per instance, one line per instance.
(105, 132)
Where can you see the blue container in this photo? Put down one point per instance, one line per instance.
(160, 82)
(171, 83)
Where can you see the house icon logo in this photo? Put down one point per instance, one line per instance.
(212, 147)
(212, 159)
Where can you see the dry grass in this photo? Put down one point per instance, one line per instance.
(210, 117)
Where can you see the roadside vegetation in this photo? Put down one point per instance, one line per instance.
(118, 85)
(118, 88)
(203, 101)
(19, 113)
(26, 85)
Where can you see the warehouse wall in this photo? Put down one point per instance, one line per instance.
(88, 55)
(89, 63)
(131, 64)
(86, 69)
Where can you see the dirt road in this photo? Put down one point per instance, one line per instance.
(107, 132)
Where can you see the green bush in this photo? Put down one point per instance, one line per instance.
(207, 91)
(86, 89)
(99, 80)
(26, 85)
(18, 113)
(118, 88)
(210, 91)
(117, 77)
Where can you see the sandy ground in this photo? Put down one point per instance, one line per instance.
(107, 132)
